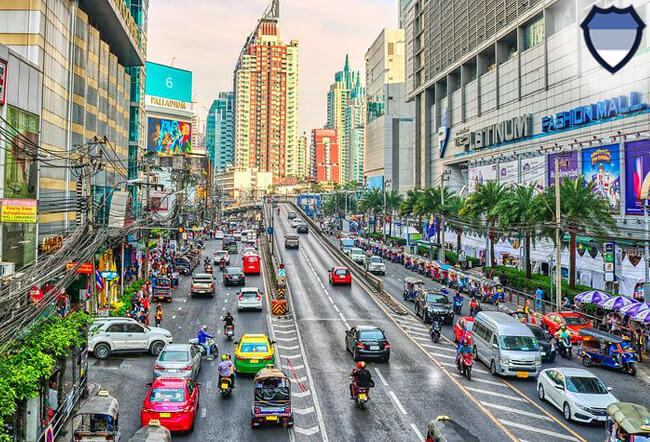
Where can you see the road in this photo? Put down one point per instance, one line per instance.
(126, 377)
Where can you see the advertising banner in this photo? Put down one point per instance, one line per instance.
(169, 137)
(168, 82)
(568, 166)
(637, 169)
(508, 172)
(19, 211)
(601, 166)
(481, 175)
(20, 168)
(533, 171)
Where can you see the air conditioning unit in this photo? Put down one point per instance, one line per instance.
(7, 269)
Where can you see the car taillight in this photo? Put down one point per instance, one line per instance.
(258, 410)
(188, 368)
(147, 410)
(240, 297)
(239, 358)
(266, 358)
(361, 345)
(259, 297)
(212, 285)
(387, 345)
(158, 367)
(287, 409)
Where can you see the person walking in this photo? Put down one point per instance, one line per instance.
(638, 340)
(539, 295)
(159, 315)
(527, 310)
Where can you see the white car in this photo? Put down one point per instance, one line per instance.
(249, 298)
(580, 395)
(296, 222)
(375, 265)
(218, 235)
(249, 251)
(357, 255)
(113, 335)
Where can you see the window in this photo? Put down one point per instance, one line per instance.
(167, 395)
(133, 328)
(371, 334)
(173, 356)
(254, 347)
(534, 32)
(585, 385)
(115, 328)
(518, 343)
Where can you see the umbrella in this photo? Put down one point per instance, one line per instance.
(633, 309)
(642, 316)
(616, 302)
(591, 297)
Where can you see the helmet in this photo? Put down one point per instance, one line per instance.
(224, 357)
(464, 341)
(358, 365)
(227, 313)
(563, 327)
(204, 327)
(362, 364)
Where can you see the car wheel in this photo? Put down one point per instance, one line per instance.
(540, 392)
(102, 351)
(156, 347)
(566, 412)
(493, 369)
(355, 355)
(425, 317)
(387, 358)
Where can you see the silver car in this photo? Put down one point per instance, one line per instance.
(178, 361)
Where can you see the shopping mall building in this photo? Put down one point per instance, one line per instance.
(503, 89)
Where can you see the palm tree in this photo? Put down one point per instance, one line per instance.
(482, 203)
(581, 210)
(522, 210)
(393, 201)
(431, 202)
(453, 206)
(371, 202)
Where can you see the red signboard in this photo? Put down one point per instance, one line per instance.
(86, 267)
(3, 80)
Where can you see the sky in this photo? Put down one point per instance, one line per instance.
(206, 36)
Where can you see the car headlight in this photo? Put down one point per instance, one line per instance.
(504, 361)
(584, 408)
(538, 363)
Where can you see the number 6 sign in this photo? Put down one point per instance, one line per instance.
(169, 83)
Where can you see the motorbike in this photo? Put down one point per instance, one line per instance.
(229, 332)
(464, 364)
(222, 265)
(225, 386)
(361, 397)
(214, 350)
(436, 329)
(458, 305)
(564, 347)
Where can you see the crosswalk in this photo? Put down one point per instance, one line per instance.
(525, 419)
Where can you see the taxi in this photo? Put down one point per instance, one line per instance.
(253, 352)
(574, 322)
(173, 402)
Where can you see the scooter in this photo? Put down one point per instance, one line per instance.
(222, 265)
(458, 305)
(464, 365)
(564, 347)
(229, 332)
(214, 350)
(225, 386)
(436, 329)
(361, 396)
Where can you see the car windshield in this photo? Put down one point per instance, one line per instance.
(203, 280)
(234, 271)
(574, 320)
(174, 356)
(254, 347)
(437, 299)
(585, 385)
(221, 253)
(249, 294)
(539, 333)
(469, 325)
(518, 343)
(375, 259)
(371, 334)
(95, 327)
(341, 272)
(167, 395)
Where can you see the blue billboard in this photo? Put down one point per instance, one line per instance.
(168, 82)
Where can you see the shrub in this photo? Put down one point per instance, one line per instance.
(516, 279)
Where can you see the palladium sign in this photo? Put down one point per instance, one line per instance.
(509, 130)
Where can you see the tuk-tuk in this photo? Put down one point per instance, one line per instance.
(162, 289)
(601, 348)
(627, 422)
(272, 398)
(97, 419)
(411, 286)
(443, 429)
(154, 432)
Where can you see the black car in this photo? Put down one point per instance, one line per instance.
(183, 266)
(302, 228)
(429, 303)
(545, 340)
(366, 341)
(233, 276)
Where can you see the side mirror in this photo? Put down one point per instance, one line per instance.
(273, 342)
(609, 388)
(198, 384)
(329, 269)
(495, 346)
(236, 342)
(149, 384)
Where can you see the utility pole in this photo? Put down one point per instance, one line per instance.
(146, 217)
(441, 226)
(558, 244)
(89, 208)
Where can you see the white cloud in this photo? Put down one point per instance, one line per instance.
(206, 36)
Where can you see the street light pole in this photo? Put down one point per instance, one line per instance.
(441, 254)
(646, 285)
(558, 244)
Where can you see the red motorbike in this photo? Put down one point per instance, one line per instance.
(464, 364)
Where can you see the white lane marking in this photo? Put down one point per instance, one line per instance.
(291, 357)
(285, 339)
(336, 308)
(482, 381)
(293, 347)
(208, 385)
(439, 347)
(517, 411)
(413, 332)
(306, 431)
(478, 370)
(287, 332)
(440, 355)
(185, 300)
(421, 338)
(203, 411)
(413, 327)
(303, 411)
(397, 402)
(295, 367)
(493, 393)
(300, 393)
(537, 430)
(417, 432)
(180, 308)
(381, 377)
(283, 325)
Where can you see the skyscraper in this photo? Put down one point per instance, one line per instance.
(302, 152)
(266, 99)
(220, 131)
(354, 121)
(326, 147)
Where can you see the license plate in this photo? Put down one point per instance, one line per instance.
(165, 414)
(224, 386)
(362, 396)
(522, 374)
(374, 347)
(543, 353)
(271, 418)
(254, 361)
(172, 371)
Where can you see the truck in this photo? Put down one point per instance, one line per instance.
(346, 245)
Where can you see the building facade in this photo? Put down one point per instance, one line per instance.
(302, 155)
(266, 103)
(220, 131)
(389, 132)
(354, 122)
(326, 149)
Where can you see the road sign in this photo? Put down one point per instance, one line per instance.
(608, 261)
(49, 434)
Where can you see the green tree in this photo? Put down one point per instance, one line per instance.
(316, 188)
(453, 206)
(393, 201)
(371, 202)
(582, 211)
(430, 202)
(481, 203)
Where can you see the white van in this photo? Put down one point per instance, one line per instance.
(505, 345)
(248, 235)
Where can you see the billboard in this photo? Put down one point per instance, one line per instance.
(481, 175)
(637, 169)
(601, 166)
(169, 137)
(21, 171)
(168, 82)
(533, 171)
(508, 172)
(568, 166)
(19, 211)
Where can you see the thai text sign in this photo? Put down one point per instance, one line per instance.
(19, 211)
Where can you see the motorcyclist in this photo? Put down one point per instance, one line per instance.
(203, 339)
(206, 261)
(474, 306)
(361, 377)
(226, 369)
(562, 333)
(458, 302)
(462, 350)
(228, 319)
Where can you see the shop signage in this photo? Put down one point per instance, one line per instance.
(167, 102)
(508, 130)
(86, 267)
(602, 110)
(19, 211)
(3, 80)
(608, 261)
(51, 244)
(109, 275)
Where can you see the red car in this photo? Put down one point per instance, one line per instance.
(173, 402)
(464, 322)
(340, 275)
(574, 322)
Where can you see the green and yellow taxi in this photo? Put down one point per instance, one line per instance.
(253, 352)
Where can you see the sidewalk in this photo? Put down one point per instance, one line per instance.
(66, 432)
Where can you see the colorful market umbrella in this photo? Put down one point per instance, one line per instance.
(591, 297)
(616, 302)
(633, 309)
(643, 316)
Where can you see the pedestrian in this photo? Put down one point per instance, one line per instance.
(145, 304)
(143, 317)
(527, 311)
(638, 340)
(539, 295)
(159, 315)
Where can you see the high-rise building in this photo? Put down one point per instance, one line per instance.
(266, 99)
(302, 152)
(326, 148)
(389, 141)
(345, 81)
(220, 131)
(354, 120)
